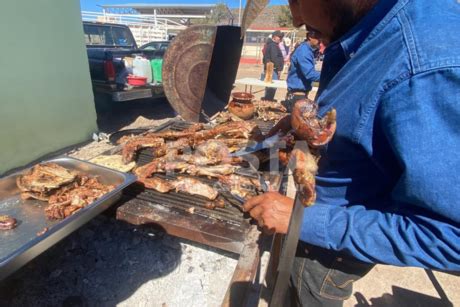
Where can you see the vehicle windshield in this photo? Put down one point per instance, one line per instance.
(108, 36)
(157, 46)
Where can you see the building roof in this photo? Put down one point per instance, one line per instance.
(163, 9)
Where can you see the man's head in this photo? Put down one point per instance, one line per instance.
(277, 36)
(312, 39)
(330, 19)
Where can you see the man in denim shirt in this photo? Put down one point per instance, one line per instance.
(302, 72)
(388, 183)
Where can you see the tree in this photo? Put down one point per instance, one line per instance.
(284, 16)
(220, 14)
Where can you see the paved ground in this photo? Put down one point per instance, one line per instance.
(108, 263)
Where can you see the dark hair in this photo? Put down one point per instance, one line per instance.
(278, 33)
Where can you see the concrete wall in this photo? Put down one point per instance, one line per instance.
(46, 102)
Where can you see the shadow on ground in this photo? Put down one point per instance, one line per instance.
(103, 263)
(402, 297)
(112, 116)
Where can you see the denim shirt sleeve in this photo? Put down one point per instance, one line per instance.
(421, 120)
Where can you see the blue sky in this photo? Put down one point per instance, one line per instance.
(92, 5)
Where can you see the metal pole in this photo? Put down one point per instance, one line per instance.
(239, 15)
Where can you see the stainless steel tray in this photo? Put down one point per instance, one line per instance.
(21, 244)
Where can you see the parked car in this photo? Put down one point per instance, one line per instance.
(107, 47)
(157, 46)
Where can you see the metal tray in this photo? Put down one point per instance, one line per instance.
(21, 244)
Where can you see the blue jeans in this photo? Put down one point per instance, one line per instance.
(270, 91)
(322, 277)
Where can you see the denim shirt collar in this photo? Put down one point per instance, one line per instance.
(353, 39)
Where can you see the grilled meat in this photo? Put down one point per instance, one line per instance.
(43, 196)
(7, 222)
(220, 203)
(209, 153)
(194, 135)
(217, 203)
(211, 171)
(305, 168)
(178, 166)
(210, 205)
(189, 164)
(195, 127)
(180, 145)
(270, 106)
(73, 197)
(42, 232)
(195, 187)
(171, 134)
(240, 185)
(244, 129)
(241, 129)
(156, 166)
(307, 126)
(213, 149)
(132, 146)
(182, 184)
(39, 181)
(267, 115)
(127, 138)
(65, 191)
(243, 181)
(157, 184)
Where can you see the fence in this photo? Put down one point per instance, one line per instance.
(145, 28)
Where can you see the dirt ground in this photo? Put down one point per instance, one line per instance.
(107, 263)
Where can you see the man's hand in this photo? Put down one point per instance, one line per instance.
(271, 210)
(283, 125)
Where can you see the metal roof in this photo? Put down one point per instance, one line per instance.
(164, 9)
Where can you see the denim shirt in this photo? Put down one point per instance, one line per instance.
(388, 185)
(302, 69)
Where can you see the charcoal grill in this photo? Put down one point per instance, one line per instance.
(224, 228)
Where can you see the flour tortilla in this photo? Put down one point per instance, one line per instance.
(114, 162)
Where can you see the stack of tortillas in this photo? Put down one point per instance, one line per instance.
(114, 162)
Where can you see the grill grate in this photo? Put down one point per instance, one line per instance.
(184, 201)
(224, 228)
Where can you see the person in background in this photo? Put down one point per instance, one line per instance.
(284, 49)
(302, 71)
(272, 53)
(287, 44)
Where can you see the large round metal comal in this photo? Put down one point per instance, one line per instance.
(185, 69)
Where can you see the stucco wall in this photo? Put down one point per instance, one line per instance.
(46, 102)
